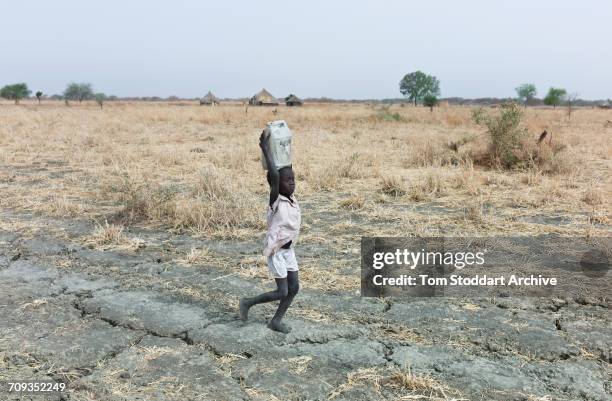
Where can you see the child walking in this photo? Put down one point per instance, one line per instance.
(284, 221)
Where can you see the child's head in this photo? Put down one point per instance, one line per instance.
(286, 181)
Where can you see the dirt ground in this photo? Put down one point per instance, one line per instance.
(128, 234)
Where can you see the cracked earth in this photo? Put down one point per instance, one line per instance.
(134, 325)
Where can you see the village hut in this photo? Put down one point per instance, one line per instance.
(293, 100)
(263, 98)
(209, 99)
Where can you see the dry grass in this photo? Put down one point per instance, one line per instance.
(593, 196)
(431, 185)
(392, 186)
(299, 364)
(62, 206)
(197, 169)
(398, 384)
(197, 256)
(475, 211)
(111, 235)
(108, 234)
(354, 202)
(35, 303)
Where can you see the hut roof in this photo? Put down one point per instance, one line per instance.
(265, 97)
(209, 98)
(293, 98)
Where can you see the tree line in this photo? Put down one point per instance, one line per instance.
(417, 86)
(73, 92)
(420, 87)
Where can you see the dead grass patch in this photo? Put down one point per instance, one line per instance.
(62, 206)
(396, 384)
(111, 235)
(593, 196)
(197, 256)
(214, 204)
(430, 153)
(325, 179)
(135, 162)
(354, 202)
(392, 186)
(475, 211)
(430, 185)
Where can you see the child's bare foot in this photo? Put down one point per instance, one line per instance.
(279, 326)
(243, 311)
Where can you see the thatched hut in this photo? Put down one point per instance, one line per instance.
(263, 98)
(293, 100)
(209, 99)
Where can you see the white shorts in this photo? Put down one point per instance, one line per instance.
(281, 262)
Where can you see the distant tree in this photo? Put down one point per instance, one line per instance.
(416, 85)
(526, 93)
(430, 101)
(100, 98)
(38, 96)
(15, 92)
(78, 91)
(555, 96)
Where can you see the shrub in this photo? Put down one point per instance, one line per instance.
(508, 136)
(430, 101)
(511, 146)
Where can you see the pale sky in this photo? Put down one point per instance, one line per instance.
(336, 48)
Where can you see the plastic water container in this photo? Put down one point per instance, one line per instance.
(278, 135)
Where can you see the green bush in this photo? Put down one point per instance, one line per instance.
(509, 138)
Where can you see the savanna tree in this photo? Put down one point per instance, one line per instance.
(39, 95)
(78, 91)
(571, 99)
(416, 85)
(100, 98)
(526, 93)
(430, 101)
(555, 96)
(15, 92)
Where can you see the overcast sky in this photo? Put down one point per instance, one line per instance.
(341, 49)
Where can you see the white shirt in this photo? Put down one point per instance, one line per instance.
(284, 220)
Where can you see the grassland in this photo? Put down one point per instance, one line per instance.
(110, 216)
(197, 169)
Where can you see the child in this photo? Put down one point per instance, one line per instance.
(283, 227)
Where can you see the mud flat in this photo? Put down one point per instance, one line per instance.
(133, 324)
(128, 235)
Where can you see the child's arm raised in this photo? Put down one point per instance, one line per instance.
(272, 171)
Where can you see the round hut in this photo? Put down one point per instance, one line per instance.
(209, 99)
(263, 98)
(293, 100)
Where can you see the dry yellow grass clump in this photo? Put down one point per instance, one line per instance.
(193, 168)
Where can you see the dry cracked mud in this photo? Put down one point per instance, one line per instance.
(135, 325)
